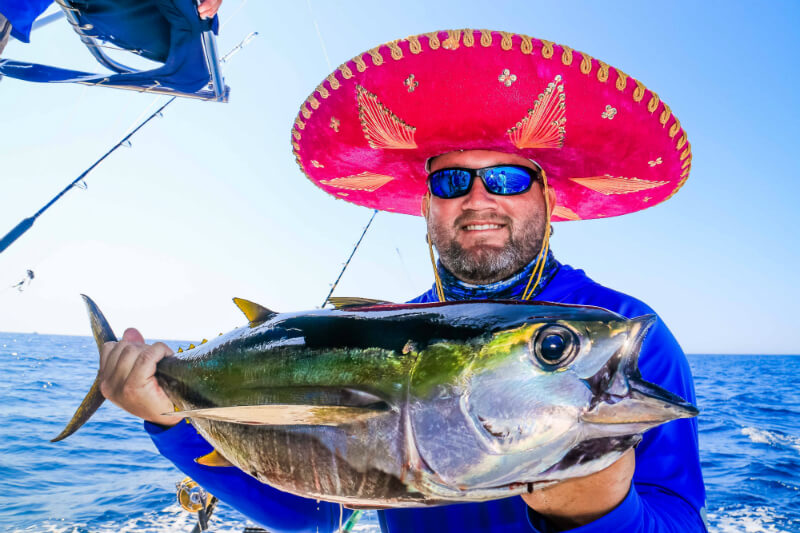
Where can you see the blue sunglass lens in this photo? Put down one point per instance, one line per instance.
(450, 183)
(507, 180)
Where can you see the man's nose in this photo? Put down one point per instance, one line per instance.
(478, 197)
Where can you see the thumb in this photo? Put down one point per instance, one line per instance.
(133, 336)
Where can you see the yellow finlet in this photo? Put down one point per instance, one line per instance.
(204, 341)
(180, 350)
(192, 346)
(213, 459)
(254, 312)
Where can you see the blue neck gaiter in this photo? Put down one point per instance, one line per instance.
(507, 289)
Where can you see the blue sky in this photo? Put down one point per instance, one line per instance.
(209, 203)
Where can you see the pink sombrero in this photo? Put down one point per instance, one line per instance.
(609, 145)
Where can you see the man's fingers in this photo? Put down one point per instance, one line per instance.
(133, 336)
(208, 8)
(114, 377)
(144, 368)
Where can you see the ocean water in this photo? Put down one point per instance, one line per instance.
(109, 478)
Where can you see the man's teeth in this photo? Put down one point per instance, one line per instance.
(474, 227)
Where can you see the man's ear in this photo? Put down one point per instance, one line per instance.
(426, 205)
(551, 199)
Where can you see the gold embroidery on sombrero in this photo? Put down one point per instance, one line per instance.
(333, 81)
(602, 72)
(313, 102)
(638, 92)
(609, 112)
(334, 124)
(299, 123)
(647, 199)
(526, 46)
(317, 164)
(366, 181)
(547, 49)
(305, 111)
(681, 141)
(360, 65)
(617, 185)
(506, 78)
(664, 118)
(411, 83)
(565, 212)
(654, 162)
(566, 55)
(675, 128)
(395, 50)
(543, 127)
(505, 42)
(622, 80)
(486, 38)
(469, 38)
(342, 194)
(453, 40)
(684, 176)
(652, 105)
(414, 45)
(586, 63)
(433, 40)
(382, 128)
(377, 58)
(346, 72)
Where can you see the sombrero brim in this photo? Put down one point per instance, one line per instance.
(609, 145)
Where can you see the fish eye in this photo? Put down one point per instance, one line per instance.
(555, 346)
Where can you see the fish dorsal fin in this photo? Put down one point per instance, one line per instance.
(347, 302)
(213, 459)
(285, 415)
(256, 314)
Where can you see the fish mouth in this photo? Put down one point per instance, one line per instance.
(622, 397)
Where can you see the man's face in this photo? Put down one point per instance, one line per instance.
(482, 237)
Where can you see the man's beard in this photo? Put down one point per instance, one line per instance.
(484, 264)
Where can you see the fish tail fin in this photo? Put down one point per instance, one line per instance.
(94, 398)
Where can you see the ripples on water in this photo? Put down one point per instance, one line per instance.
(108, 476)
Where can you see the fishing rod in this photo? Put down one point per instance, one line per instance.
(335, 283)
(27, 223)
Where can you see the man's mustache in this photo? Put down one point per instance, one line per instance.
(471, 217)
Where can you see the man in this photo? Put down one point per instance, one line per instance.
(488, 207)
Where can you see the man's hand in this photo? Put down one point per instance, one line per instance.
(208, 8)
(576, 502)
(127, 377)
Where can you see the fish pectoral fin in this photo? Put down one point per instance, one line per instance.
(285, 415)
(255, 313)
(213, 459)
(348, 302)
(356, 507)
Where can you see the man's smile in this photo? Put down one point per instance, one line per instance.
(482, 227)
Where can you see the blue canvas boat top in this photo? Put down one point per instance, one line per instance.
(169, 32)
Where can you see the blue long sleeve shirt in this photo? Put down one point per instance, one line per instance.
(667, 494)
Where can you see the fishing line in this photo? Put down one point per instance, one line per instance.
(235, 12)
(319, 34)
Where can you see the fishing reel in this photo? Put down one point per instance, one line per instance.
(191, 496)
(195, 499)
